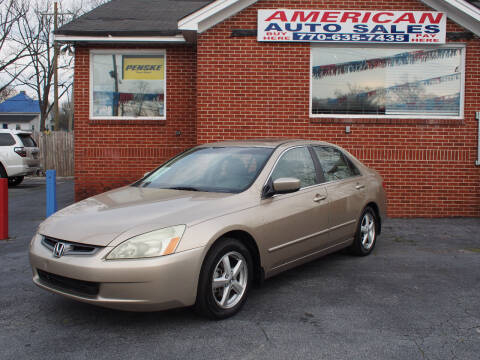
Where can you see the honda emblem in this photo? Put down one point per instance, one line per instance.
(58, 249)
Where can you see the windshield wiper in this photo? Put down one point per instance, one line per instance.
(187, 188)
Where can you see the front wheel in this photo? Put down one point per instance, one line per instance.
(225, 279)
(15, 180)
(366, 235)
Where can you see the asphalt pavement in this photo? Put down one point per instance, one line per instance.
(416, 297)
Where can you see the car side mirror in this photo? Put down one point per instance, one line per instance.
(146, 174)
(281, 186)
(286, 185)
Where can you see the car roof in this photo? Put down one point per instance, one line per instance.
(15, 132)
(270, 143)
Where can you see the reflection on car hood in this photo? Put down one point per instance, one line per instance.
(100, 219)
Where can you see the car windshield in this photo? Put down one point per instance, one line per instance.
(212, 169)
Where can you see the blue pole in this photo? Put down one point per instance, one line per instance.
(51, 192)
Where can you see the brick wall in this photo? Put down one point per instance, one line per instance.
(428, 165)
(112, 153)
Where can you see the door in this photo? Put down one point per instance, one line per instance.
(346, 192)
(296, 224)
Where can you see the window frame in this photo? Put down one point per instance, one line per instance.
(153, 52)
(354, 169)
(318, 171)
(372, 116)
(11, 137)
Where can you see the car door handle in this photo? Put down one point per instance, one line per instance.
(319, 197)
(360, 187)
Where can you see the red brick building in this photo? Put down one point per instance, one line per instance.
(153, 78)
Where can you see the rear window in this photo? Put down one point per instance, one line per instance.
(6, 140)
(27, 140)
(333, 163)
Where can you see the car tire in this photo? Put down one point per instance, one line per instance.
(3, 173)
(225, 279)
(15, 180)
(366, 234)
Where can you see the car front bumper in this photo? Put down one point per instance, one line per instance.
(134, 285)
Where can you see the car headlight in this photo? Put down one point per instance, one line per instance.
(155, 243)
(36, 237)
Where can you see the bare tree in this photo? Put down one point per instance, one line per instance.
(6, 92)
(355, 100)
(35, 33)
(27, 31)
(11, 53)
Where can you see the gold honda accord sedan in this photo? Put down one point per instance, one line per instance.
(206, 225)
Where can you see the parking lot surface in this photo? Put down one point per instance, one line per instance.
(416, 297)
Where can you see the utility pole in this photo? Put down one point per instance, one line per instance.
(115, 94)
(55, 69)
(55, 63)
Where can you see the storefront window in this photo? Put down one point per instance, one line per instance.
(128, 85)
(395, 81)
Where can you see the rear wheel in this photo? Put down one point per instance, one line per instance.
(15, 180)
(225, 279)
(366, 235)
(3, 173)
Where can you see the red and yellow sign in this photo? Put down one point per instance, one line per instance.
(143, 67)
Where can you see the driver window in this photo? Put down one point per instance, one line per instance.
(296, 163)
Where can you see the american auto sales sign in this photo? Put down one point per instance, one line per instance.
(352, 26)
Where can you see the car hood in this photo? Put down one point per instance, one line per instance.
(102, 218)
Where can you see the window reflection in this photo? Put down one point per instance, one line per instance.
(128, 85)
(386, 81)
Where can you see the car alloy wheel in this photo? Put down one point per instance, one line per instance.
(367, 231)
(365, 237)
(225, 279)
(229, 280)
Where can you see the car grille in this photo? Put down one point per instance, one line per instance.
(73, 286)
(71, 248)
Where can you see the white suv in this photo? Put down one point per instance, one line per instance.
(18, 155)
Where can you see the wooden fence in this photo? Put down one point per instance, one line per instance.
(56, 151)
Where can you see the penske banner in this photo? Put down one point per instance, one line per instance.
(143, 67)
(352, 26)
